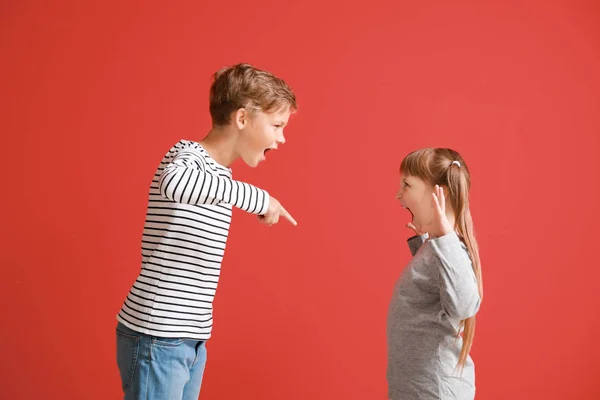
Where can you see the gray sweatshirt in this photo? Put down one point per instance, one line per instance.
(434, 293)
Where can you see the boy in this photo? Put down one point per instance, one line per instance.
(167, 316)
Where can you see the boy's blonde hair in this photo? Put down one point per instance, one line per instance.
(245, 86)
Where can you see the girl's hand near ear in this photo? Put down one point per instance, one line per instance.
(440, 226)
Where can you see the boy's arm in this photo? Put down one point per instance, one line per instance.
(185, 180)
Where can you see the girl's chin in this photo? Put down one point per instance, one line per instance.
(416, 222)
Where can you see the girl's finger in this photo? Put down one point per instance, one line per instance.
(436, 206)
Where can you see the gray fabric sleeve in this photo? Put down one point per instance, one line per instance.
(458, 286)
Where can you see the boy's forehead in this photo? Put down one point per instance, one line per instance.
(282, 115)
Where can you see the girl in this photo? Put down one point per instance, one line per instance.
(431, 317)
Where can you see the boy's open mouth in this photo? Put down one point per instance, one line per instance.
(273, 147)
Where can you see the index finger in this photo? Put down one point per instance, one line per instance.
(288, 216)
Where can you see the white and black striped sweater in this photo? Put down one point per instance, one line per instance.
(187, 223)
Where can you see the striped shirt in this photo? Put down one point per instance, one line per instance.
(184, 238)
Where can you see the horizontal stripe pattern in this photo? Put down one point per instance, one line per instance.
(183, 243)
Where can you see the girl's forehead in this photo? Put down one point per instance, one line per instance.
(413, 180)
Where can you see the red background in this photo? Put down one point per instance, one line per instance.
(93, 95)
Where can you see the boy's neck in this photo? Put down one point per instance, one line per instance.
(220, 143)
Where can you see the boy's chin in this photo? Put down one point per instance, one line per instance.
(253, 163)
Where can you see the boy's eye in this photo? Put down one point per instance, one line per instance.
(277, 126)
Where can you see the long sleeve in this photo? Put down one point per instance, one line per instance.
(415, 242)
(458, 285)
(186, 180)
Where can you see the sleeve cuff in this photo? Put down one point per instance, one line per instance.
(266, 202)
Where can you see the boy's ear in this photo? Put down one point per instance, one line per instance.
(240, 118)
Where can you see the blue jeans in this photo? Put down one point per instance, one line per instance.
(154, 368)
